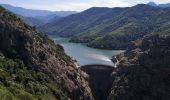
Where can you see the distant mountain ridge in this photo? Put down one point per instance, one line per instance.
(112, 28)
(39, 20)
(34, 13)
(33, 67)
(159, 5)
(37, 17)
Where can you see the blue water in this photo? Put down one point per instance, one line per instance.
(86, 55)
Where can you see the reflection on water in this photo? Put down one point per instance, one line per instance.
(85, 55)
(99, 57)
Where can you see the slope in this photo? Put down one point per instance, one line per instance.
(111, 28)
(32, 67)
(143, 71)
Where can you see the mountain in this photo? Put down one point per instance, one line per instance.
(112, 28)
(34, 13)
(159, 5)
(164, 5)
(40, 20)
(152, 4)
(32, 21)
(37, 17)
(80, 22)
(143, 71)
(32, 67)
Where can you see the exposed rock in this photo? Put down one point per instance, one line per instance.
(19, 41)
(143, 71)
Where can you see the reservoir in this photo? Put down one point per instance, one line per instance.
(86, 55)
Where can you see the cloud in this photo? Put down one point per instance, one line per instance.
(78, 6)
(118, 3)
(60, 7)
(140, 2)
(110, 3)
(73, 6)
(163, 1)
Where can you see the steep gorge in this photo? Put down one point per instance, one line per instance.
(32, 67)
(143, 72)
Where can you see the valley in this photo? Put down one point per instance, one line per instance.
(102, 53)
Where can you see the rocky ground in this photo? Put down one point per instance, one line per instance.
(40, 54)
(143, 72)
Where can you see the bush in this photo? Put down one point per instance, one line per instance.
(19, 83)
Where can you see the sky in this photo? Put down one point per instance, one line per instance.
(75, 5)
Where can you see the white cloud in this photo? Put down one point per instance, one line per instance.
(162, 1)
(76, 5)
(141, 2)
(117, 3)
(110, 3)
(60, 7)
(79, 6)
(73, 6)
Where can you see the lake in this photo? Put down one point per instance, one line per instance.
(86, 55)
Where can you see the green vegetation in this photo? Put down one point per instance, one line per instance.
(32, 67)
(17, 80)
(164, 30)
(112, 28)
(19, 83)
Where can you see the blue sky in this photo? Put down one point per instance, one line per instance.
(75, 5)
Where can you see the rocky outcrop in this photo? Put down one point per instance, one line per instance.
(99, 79)
(143, 71)
(33, 67)
(19, 41)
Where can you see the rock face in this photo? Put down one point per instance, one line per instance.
(143, 72)
(32, 67)
(38, 53)
(99, 79)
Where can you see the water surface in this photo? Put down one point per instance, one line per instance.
(86, 55)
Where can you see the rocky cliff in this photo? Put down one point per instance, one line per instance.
(143, 71)
(32, 65)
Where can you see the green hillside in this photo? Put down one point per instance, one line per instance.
(112, 28)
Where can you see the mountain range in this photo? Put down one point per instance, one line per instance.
(112, 28)
(33, 67)
(37, 17)
(159, 5)
(34, 13)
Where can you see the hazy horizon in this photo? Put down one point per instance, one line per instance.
(76, 5)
